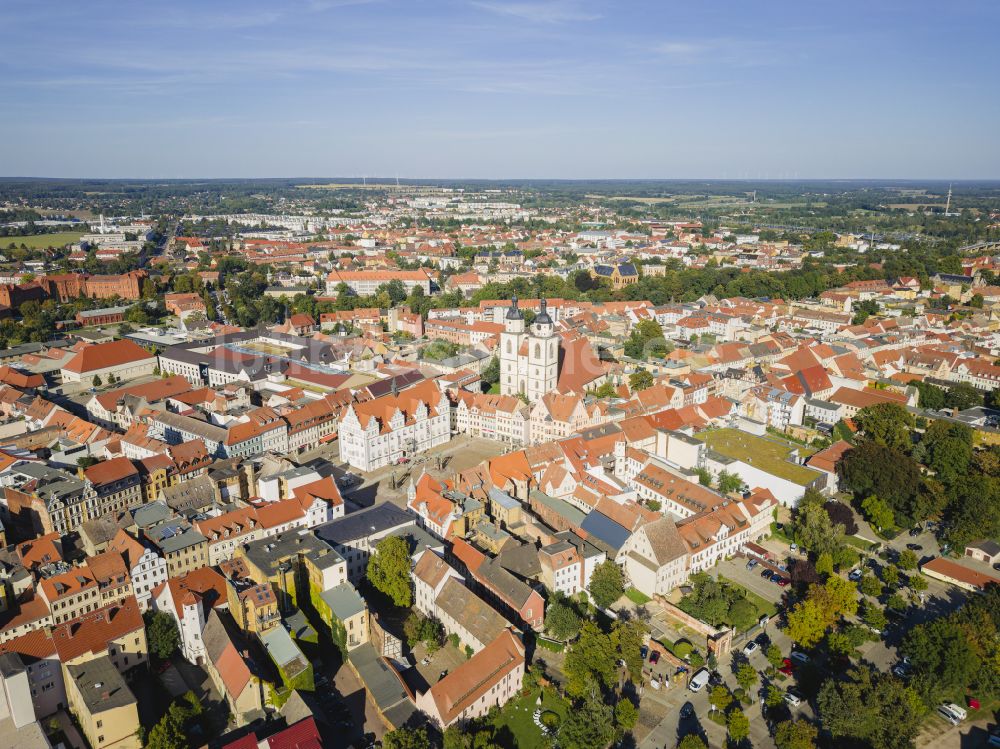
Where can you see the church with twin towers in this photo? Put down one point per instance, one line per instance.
(529, 359)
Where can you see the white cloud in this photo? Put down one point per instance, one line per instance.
(543, 11)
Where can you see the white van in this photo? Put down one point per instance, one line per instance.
(699, 680)
(952, 713)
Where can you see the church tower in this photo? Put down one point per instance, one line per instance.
(513, 337)
(543, 355)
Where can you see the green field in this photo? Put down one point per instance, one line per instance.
(41, 241)
(516, 720)
(766, 453)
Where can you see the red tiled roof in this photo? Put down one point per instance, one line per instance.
(103, 355)
(109, 471)
(92, 632)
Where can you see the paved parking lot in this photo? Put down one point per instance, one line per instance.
(735, 569)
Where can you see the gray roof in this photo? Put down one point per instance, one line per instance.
(364, 523)
(193, 426)
(284, 652)
(503, 583)
(381, 682)
(343, 600)
(194, 494)
(173, 535)
(268, 553)
(151, 513)
(573, 515)
(586, 549)
(478, 617)
(100, 685)
(502, 498)
(606, 530)
(215, 636)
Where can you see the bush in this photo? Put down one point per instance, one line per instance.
(682, 649)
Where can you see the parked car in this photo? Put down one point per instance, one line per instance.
(751, 564)
(765, 573)
(654, 657)
(781, 581)
(793, 547)
(793, 698)
(799, 656)
(787, 667)
(644, 651)
(914, 547)
(699, 680)
(855, 575)
(916, 531)
(749, 648)
(952, 713)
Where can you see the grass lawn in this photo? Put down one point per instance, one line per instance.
(859, 543)
(517, 716)
(763, 605)
(637, 597)
(494, 389)
(767, 453)
(780, 534)
(42, 241)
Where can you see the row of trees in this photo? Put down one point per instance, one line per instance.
(899, 480)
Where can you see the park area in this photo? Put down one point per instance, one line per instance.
(515, 723)
(41, 241)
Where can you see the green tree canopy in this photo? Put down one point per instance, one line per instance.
(389, 570)
(161, 634)
(607, 583)
(887, 424)
(872, 707)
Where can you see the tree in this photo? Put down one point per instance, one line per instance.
(908, 560)
(917, 583)
(561, 621)
(626, 714)
(161, 634)
(720, 698)
(795, 734)
(406, 738)
(169, 732)
(589, 726)
(943, 651)
(824, 564)
(890, 575)
(872, 707)
(870, 586)
(692, 741)
(491, 375)
(728, 482)
(878, 513)
(738, 725)
(591, 660)
(874, 616)
(607, 584)
(746, 676)
(892, 476)
(887, 424)
(627, 637)
(389, 570)
(640, 380)
(773, 655)
(963, 396)
(841, 514)
(96, 382)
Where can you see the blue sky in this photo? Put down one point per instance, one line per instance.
(500, 88)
